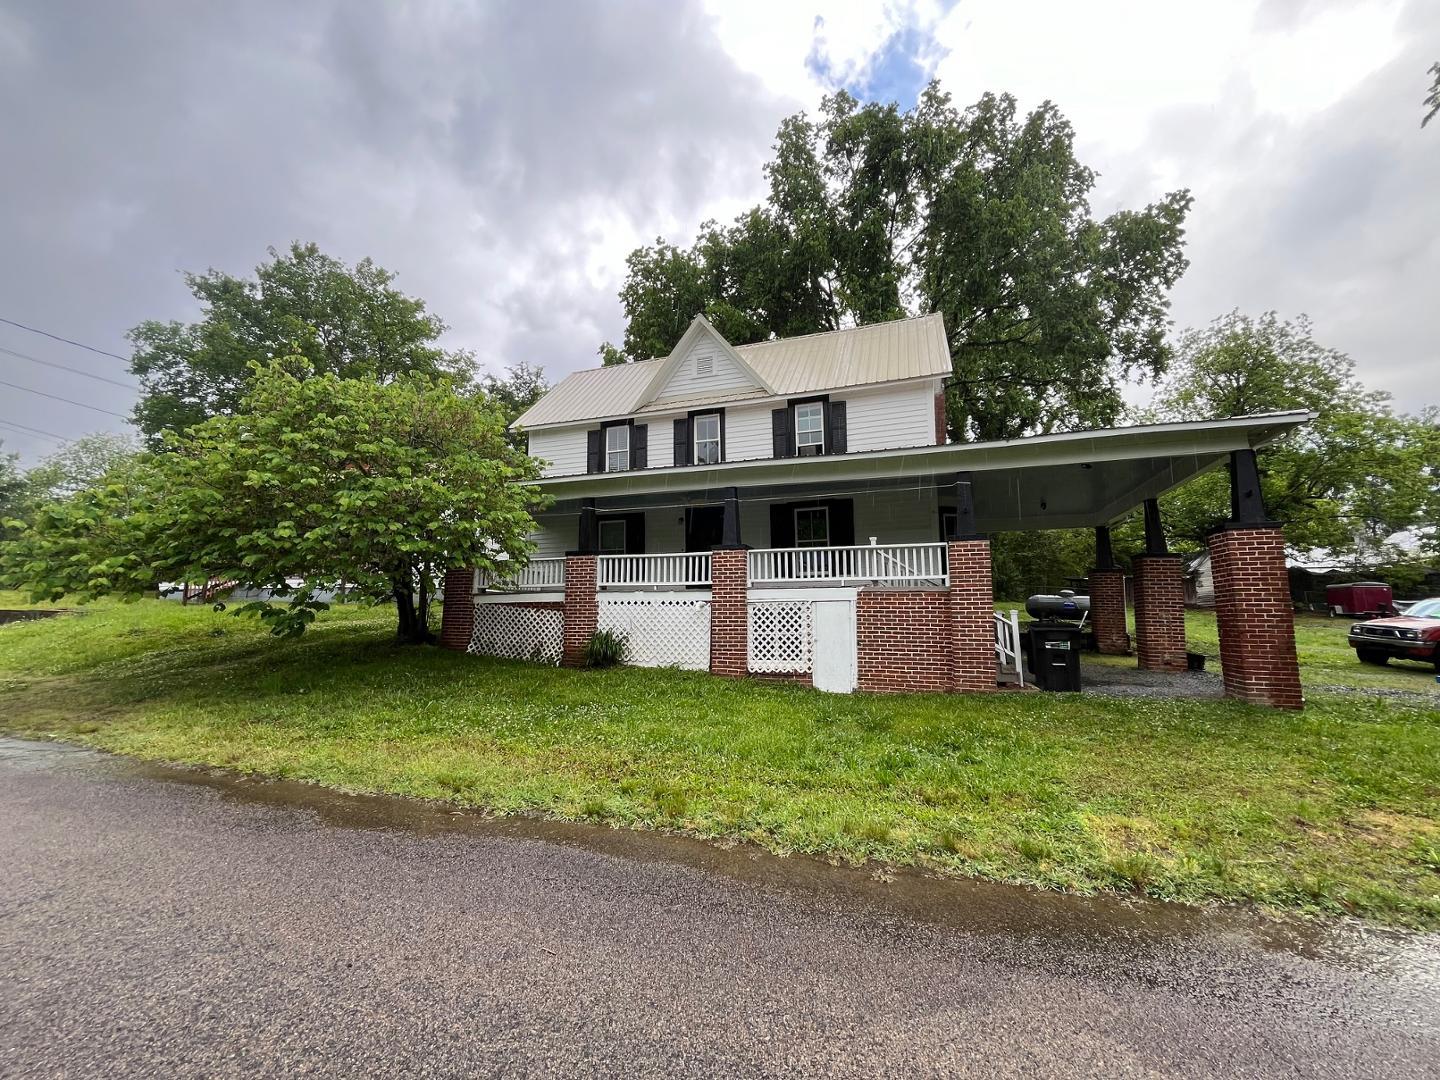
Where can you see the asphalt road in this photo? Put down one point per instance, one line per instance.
(167, 923)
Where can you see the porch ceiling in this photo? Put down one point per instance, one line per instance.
(1042, 482)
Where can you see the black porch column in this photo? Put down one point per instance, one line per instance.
(588, 542)
(965, 528)
(730, 529)
(1104, 552)
(1247, 501)
(1154, 531)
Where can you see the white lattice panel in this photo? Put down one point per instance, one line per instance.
(782, 636)
(661, 631)
(521, 633)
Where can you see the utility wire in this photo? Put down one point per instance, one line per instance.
(66, 340)
(34, 430)
(68, 401)
(63, 367)
(29, 434)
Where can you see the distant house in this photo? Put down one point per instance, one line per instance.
(792, 508)
(1200, 581)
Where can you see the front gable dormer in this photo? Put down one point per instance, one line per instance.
(702, 364)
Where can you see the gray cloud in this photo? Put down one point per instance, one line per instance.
(1334, 216)
(501, 159)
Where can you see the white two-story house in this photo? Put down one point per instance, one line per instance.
(785, 404)
(793, 508)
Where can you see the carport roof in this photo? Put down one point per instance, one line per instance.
(1063, 480)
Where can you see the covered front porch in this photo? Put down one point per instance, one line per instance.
(878, 563)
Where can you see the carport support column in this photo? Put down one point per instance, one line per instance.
(457, 615)
(582, 608)
(972, 597)
(729, 610)
(1159, 600)
(1107, 599)
(1252, 598)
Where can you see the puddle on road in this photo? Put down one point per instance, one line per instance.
(968, 905)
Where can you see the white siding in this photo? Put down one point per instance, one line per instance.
(898, 517)
(563, 449)
(726, 375)
(890, 417)
(558, 534)
(747, 432)
(883, 418)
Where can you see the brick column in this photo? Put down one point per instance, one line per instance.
(1255, 616)
(972, 616)
(729, 612)
(582, 608)
(457, 616)
(1160, 612)
(1107, 611)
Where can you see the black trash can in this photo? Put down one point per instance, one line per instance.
(1055, 656)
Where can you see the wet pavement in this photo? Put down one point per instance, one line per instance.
(164, 922)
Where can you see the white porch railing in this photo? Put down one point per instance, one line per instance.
(538, 575)
(638, 571)
(882, 564)
(1007, 645)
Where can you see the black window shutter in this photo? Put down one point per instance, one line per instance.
(837, 434)
(640, 446)
(682, 440)
(594, 457)
(782, 525)
(780, 435)
(722, 436)
(842, 522)
(635, 533)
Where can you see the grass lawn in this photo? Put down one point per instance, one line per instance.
(1336, 809)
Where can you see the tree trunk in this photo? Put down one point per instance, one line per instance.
(413, 628)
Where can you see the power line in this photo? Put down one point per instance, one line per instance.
(68, 401)
(33, 430)
(62, 367)
(66, 340)
(29, 434)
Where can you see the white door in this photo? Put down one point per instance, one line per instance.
(834, 653)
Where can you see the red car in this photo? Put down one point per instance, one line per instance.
(1412, 636)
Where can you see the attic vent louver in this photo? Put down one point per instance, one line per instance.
(704, 365)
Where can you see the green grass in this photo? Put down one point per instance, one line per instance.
(1335, 810)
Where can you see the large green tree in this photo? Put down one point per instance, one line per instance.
(379, 486)
(1344, 483)
(79, 464)
(982, 214)
(344, 320)
(521, 386)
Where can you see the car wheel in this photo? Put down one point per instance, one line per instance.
(1372, 656)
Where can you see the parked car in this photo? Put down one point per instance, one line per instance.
(1412, 636)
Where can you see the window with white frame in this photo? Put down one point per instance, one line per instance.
(812, 526)
(810, 428)
(617, 448)
(612, 537)
(707, 438)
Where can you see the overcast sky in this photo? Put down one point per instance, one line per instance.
(504, 158)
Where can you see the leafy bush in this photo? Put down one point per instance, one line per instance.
(606, 648)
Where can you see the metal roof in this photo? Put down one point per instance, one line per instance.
(810, 364)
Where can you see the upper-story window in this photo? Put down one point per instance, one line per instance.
(617, 448)
(706, 429)
(810, 428)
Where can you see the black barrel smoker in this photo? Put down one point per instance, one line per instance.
(1055, 639)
